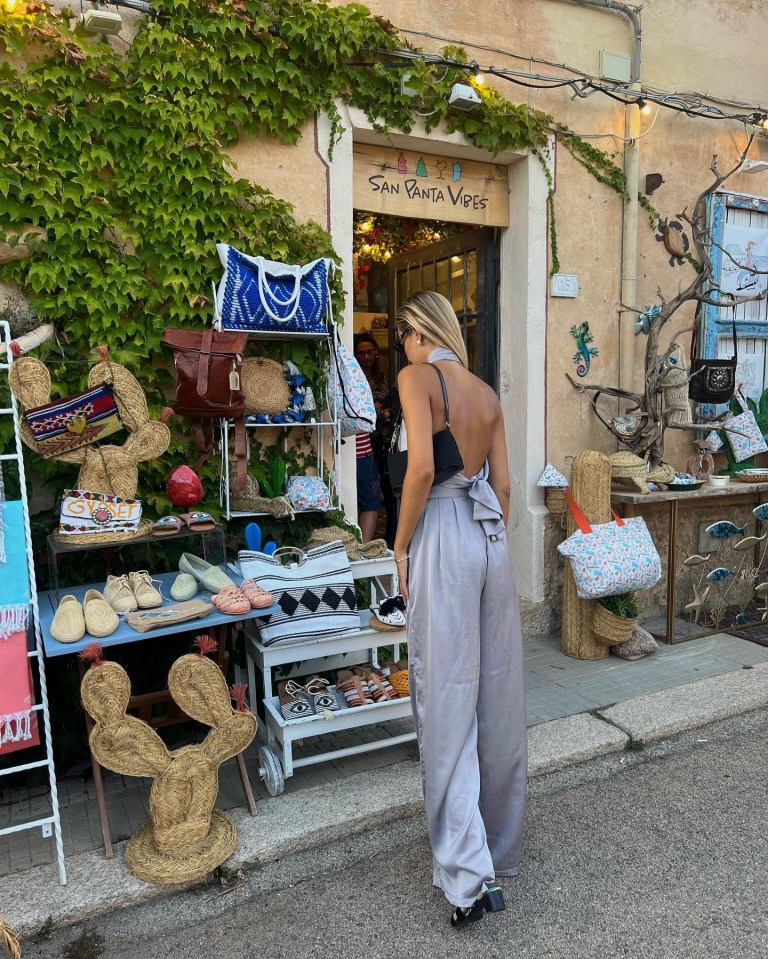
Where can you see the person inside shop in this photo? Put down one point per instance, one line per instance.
(367, 355)
(464, 639)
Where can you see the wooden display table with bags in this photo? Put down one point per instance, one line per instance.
(702, 575)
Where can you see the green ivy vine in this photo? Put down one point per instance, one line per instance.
(120, 155)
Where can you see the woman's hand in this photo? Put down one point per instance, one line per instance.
(402, 579)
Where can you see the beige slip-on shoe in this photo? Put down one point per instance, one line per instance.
(68, 623)
(146, 595)
(100, 619)
(119, 595)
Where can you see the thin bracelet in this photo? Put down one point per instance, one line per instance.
(402, 559)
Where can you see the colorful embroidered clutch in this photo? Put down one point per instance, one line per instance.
(84, 512)
(76, 421)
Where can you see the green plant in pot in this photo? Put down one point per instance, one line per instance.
(614, 617)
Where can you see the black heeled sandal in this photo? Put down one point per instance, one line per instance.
(461, 917)
(493, 900)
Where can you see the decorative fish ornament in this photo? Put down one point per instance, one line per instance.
(724, 529)
(720, 573)
(761, 511)
(749, 542)
(696, 560)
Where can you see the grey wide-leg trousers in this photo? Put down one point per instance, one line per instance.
(466, 681)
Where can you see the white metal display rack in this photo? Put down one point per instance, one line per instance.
(325, 431)
(51, 823)
(276, 756)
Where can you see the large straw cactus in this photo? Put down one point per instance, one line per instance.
(185, 837)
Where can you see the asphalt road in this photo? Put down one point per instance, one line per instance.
(659, 853)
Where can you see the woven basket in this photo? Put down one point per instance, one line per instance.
(612, 629)
(9, 940)
(374, 549)
(554, 497)
(264, 386)
(249, 500)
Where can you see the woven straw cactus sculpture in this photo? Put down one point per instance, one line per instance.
(103, 468)
(9, 940)
(185, 837)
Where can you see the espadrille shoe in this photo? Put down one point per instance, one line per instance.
(119, 594)
(68, 624)
(185, 586)
(100, 619)
(210, 576)
(147, 597)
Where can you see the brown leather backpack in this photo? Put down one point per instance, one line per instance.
(208, 365)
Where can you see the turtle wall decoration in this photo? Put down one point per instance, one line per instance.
(675, 240)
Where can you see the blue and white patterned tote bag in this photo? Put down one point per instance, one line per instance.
(349, 393)
(260, 295)
(608, 559)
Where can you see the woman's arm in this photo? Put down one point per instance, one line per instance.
(498, 466)
(417, 413)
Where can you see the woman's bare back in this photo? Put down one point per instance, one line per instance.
(474, 412)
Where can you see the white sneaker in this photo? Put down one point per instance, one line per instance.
(119, 595)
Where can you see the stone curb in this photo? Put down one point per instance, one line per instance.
(320, 814)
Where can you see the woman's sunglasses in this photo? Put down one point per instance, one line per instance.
(400, 338)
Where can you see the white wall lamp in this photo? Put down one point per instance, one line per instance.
(463, 97)
(754, 166)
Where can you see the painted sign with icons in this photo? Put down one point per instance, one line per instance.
(428, 187)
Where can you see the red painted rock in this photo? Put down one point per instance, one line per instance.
(184, 487)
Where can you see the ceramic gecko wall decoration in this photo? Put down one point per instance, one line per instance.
(584, 353)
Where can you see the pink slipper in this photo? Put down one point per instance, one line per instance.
(258, 598)
(231, 600)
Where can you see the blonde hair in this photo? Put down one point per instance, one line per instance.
(433, 316)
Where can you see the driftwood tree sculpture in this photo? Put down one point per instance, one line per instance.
(646, 418)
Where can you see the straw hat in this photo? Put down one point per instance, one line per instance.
(265, 388)
(330, 534)
(9, 939)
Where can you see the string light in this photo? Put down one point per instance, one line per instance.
(9, 5)
(643, 106)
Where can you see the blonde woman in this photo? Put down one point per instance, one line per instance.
(464, 643)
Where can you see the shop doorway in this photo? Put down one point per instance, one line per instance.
(464, 268)
(395, 257)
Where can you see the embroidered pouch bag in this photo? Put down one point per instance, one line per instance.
(260, 295)
(349, 394)
(711, 380)
(308, 492)
(84, 513)
(315, 593)
(749, 440)
(76, 421)
(608, 559)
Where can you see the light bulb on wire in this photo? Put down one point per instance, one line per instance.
(9, 5)
(643, 106)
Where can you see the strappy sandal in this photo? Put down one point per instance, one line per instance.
(379, 686)
(354, 687)
(293, 700)
(491, 901)
(318, 692)
(258, 598)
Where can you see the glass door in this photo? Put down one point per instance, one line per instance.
(464, 269)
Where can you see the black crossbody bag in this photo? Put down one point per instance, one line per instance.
(712, 381)
(448, 461)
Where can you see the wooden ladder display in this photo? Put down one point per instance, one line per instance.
(50, 824)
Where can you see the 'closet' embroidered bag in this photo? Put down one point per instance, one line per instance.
(608, 559)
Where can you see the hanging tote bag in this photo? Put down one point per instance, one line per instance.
(315, 593)
(261, 296)
(749, 440)
(711, 381)
(610, 558)
(349, 393)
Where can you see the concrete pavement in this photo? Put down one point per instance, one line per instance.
(317, 816)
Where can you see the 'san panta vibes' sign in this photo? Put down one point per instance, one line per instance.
(427, 187)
